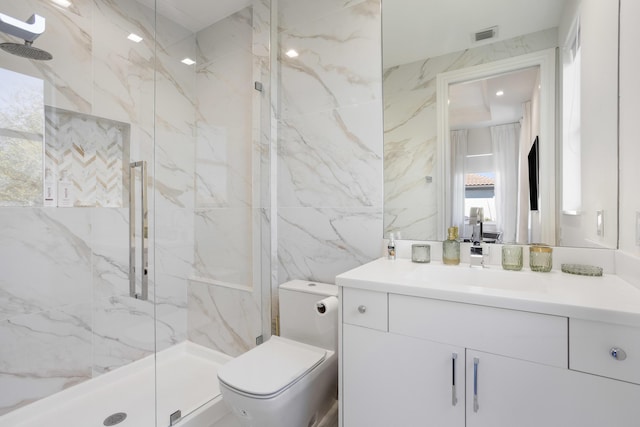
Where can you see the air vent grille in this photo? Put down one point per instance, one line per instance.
(486, 34)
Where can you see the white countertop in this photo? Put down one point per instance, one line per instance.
(608, 298)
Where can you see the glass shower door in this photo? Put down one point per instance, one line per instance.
(212, 252)
(71, 332)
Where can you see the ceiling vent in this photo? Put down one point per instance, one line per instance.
(486, 34)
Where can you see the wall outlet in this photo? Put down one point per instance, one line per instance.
(637, 228)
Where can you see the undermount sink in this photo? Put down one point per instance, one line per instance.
(489, 277)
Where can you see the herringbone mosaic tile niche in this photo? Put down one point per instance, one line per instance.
(93, 151)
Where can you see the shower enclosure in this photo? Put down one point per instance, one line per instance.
(134, 207)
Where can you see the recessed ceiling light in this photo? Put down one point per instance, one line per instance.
(62, 3)
(499, 93)
(188, 61)
(134, 37)
(292, 53)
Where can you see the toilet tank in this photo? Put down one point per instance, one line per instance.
(299, 318)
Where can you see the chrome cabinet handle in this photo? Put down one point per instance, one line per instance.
(476, 361)
(144, 247)
(362, 309)
(618, 353)
(454, 397)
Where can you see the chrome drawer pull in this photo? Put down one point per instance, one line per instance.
(454, 397)
(618, 353)
(362, 309)
(476, 361)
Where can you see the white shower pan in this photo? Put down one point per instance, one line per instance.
(187, 379)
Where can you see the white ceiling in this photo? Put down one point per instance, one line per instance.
(419, 29)
(475, 104)
(196, 14)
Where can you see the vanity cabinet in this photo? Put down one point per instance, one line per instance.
(512, 392)
(392, 380)
(449, 364)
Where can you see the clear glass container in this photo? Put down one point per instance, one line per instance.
(420, 252)
(540, 258)
(512, 257)
(451, 248)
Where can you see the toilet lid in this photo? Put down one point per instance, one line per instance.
(271, 367)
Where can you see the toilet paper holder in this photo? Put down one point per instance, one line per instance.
(326, 305)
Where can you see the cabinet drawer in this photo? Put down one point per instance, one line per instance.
(591, 344)
(529, 336)
(364, 308)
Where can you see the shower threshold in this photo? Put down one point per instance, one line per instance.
(187, 381)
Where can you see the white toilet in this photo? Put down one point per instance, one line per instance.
(291, 380)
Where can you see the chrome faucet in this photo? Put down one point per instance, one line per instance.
(476, 256)
(476, 218)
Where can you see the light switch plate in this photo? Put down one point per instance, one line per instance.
(600, 223)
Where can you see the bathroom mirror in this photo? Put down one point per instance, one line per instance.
(431, 48)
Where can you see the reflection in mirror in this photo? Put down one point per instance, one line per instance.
(582, 205)
(492, 133)
(21, 139)
(491, 140)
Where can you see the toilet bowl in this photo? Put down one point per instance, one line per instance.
(300, 385)
(290, 380)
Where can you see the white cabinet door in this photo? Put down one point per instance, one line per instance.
(512, 393)
(391, 380)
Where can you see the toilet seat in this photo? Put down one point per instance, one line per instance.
(271, 368)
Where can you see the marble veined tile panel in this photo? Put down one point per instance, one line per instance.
(123, 330)
(224, 245)
(225, 89)
(292, 13)
(174, 170)
(418, 222)
(224, 175)
(318, 244)
(224, 319)
(261, 21)
(226, 36)
(123, 70)
(338, 63)
(175, 89)
(110, 250)
(332, 158)
(46, 259)
(43, 353)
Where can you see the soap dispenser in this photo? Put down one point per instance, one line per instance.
(391, 247)
(451, 248)
(65, 191)
(50, 189)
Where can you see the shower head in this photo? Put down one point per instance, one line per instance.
(28, 31)
(26, 51)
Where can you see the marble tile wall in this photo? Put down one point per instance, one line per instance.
(410, 130)
(329, 164)
(66, 311)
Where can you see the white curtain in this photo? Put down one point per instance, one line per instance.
(505, 141)
(458, 156)
(526, 139)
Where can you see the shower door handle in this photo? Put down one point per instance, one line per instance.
(144, 250)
